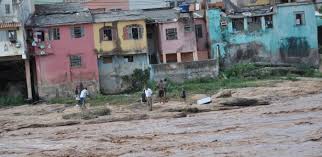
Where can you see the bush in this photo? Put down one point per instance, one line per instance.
(239, 70)
(138, 79)
(306, 70)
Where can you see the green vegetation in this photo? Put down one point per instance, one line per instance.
(11, 101)
(137, 80)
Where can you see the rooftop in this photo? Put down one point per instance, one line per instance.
(118, 16)
(59, 14)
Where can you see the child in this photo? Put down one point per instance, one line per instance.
(183, 95)
(143, 97)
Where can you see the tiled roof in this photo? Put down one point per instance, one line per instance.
(9, 25)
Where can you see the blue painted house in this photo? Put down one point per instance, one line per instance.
(280, 34)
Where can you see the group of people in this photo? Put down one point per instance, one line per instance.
(147, 94)
(81, 94)
(162, 87)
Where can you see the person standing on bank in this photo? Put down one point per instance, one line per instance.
(77, 92)
(84, 93)
(161, 91)
(165, 82)
(148, 96)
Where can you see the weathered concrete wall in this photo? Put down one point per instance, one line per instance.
(180, 72)
(286, 42)
(111, 73)
(55, 76)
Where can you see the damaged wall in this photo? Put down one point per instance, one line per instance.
(286, 42)
(112, 68)
(180, 72)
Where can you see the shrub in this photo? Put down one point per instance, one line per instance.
(138, 79)
(239, 70)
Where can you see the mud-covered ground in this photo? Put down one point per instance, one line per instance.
(291, 125)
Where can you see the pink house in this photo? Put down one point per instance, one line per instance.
(179, 39)
(61, 39)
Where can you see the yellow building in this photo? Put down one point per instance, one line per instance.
(121, 43)
(119, 34)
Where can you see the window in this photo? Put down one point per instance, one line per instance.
(134, 32)
(171, 34)
(128, 58)
(238, 25)
(54, 34)
(299, 18)
(269, 21)
(75, 61)
(106, 34)
(40, 36)
(107, 60)
(12, 35)
(77, 32)
(7, 8)
(199, 33)
(187, 28)
(254, 24)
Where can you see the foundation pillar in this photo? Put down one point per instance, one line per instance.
(164, 56)
(179, 57)
(195, 56)
(28, 78)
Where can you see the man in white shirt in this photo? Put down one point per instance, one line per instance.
(148, 95)
(84, 93)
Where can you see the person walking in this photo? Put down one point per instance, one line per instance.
(84, 93)
(148, 95)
